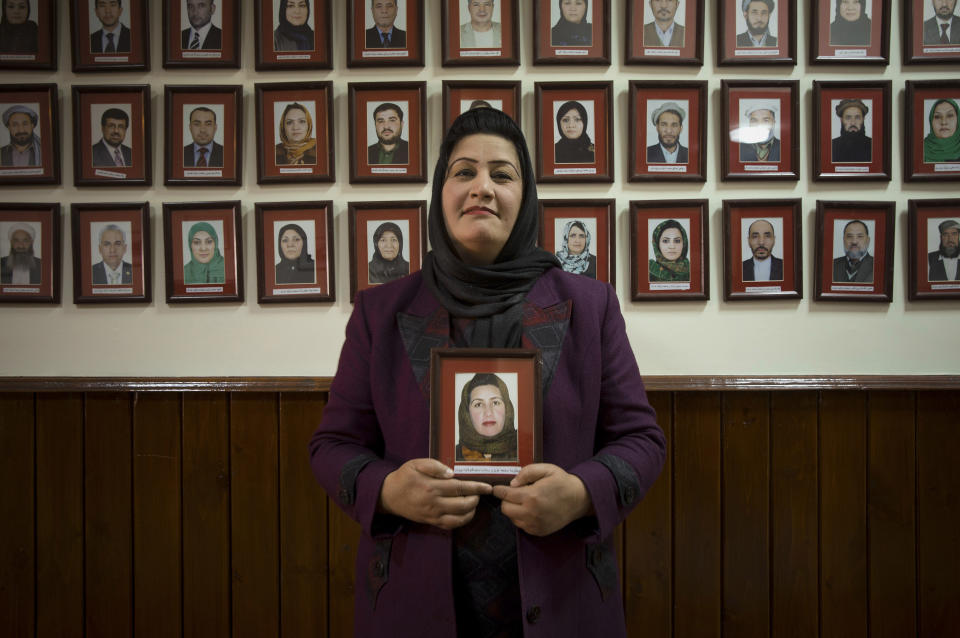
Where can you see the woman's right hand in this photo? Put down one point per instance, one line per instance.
(424, 491)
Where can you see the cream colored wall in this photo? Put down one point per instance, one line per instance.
(713, 337)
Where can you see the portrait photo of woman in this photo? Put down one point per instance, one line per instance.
(294, 32)
(670, 248)
(485, 421)
(18, 33)
(297, 143)
(206, 264)
(573, 144)
(574, 253)
(387, 263)
(942, 143)
(296, 266)
(572, 29)
(850, 25)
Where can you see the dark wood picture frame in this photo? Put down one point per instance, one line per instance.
(220, 46)
(558, 165)
(364, 98)
(643, 43)
(596, 218)
(786, 277)
(502, 95)
(459, 45)
(565, 47)
(926, 158)
(921, 43)
(672, 101)
(519, 372)
(300, 282)
(90, 42)
(412, 218)
(279, 159)
(181, 218)
(837, 157)
(129, 228)
(925, 237)
(834, 39)
(361, 52)
(25, 54)
(666, 283)
(43, 103)
(225, 164)
(93, 164)
(734, 43)
(27, 216)
(292, 52)
(740, 157)
(873, 279)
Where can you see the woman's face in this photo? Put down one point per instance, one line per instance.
(850, 10)
(573, 10)
(671, 244)
(16, 11)
(202, 246)
(576, 240)
(481, 196)
(944, 120)
(389, 245)
(291, 243)
(487, 410)
(571, 124)
(297, 12)
(295, 124)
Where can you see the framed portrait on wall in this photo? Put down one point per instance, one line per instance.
(30, 253)
(295, 260)
(850, 32)
(112, 135)
(29, 38)
(480, 32)
(109, 35)
(571, 32)
(201, 33)
(203, 143)
(485, 411)
(931, 32)
(574, 131)
(30, 136)
(385, 33)
(669, 250)
(387, 132)
(294, 132)
(851, 131)
(667, 131)
(664, 32)
(460, 96)
(757, 32)
(853, 251)
(581, 233)
(387, 241)
(931, 131)
(762, 249)
(760, 130)
(292, 34)
(933, 246)
(203, 251)
(111, 253)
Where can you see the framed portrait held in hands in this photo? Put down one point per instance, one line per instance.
(201, 33)
(757, 32)
(480, 32)
(574, 131)
(667, 131)
(760, 136)
(669, 250)
(30, 136)
(932, 131)
(853, 251)
(30, 253)
(388, 240)
(294, 132)
(28, 37)
(852, 131)
(762, 246)
(111, 253)
(385, 33)
(580, 232)
(203, 251)
(933, 248)
(571, 32)
(664, 32)
(203, 143)
(295, 258)
(292, 34)
(112, 142)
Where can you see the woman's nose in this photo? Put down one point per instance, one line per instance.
(482, 186)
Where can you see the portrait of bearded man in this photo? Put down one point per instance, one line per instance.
(852, 145)
(21, 266)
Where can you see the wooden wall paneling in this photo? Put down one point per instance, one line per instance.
(647, 558)
(344, 535)
(795, 579)
(746, 514)
(17, 548)
(59, 515)
(108, 518)
(303, 521)
(696, 514)
(206, 514)
(157, 544)
(254, 514)
(938, 517)
(843, 514)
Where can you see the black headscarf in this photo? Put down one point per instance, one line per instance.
(302, 34)
(299, 270)
(17, 38)
(845, 32)
(566, 33)
(493, 295)
(579, 150)
(380, 270)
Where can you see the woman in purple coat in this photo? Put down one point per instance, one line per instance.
(445, 557)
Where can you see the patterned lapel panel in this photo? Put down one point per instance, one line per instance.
(545, 328)
(420, 334)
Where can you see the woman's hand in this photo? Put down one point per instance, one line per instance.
(424, 491)
(543, 498)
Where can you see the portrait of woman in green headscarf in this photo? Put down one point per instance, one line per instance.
(206, 265)
(670, 247)
(942, 143)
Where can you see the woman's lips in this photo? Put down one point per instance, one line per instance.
(478, 210)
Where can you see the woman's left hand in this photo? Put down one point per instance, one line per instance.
(543, 498)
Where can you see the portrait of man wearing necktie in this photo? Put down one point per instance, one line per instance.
(112, 270)
(944, 26)
(203, 151)
(385, 34)
(112, 36)
(110, 150)
(202, 33)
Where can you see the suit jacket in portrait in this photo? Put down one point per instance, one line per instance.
(467, 39)
(123, 42)
(655, 155)
(215, 160)
(400, 156)
(36, 270)
(651, 39)
(864, 273)
(937, 271)
(100, 273)
(214, 39)
(103, 157)
(744, 41)
(776, 269)
(748, 152)
(398, 39)
(931, 31)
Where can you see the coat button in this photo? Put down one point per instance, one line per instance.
(533, 614)
(378, 569)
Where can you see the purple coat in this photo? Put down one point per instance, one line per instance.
(597, 424)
